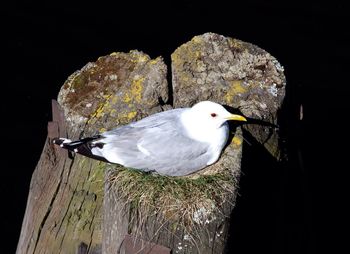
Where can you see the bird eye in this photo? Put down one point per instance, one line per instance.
(213, 114)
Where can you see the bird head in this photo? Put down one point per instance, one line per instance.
(213, 114)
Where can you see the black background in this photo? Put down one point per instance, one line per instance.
(278, 211)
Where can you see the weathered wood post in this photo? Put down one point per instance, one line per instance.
(77, 205)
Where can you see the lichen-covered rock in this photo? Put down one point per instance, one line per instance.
(234, 73)
(114, 90)
(68, 211)
(64, 210)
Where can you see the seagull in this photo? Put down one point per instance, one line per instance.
(176, 142)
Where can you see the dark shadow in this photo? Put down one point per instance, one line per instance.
(272, 213)
(253, 221)
(167, 61)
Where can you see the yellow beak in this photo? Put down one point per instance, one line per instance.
(236, 118)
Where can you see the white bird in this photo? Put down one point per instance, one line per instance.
(176, 142)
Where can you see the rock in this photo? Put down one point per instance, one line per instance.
(233, 73)
(64, 209)
(114, 90)
(74, 206)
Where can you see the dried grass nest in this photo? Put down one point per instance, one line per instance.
(189, 201)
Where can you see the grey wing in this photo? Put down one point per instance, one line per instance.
(170, 152)
(161, 118)
(156, 143)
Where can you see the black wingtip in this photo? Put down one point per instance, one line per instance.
(56, 141)
(62, 142)
(82, 146)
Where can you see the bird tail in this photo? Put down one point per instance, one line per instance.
(81, 146)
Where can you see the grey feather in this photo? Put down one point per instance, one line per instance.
(156, 135)
(175, 142)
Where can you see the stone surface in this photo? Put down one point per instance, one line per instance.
(233, 73)
(116, 89)
(71, 206)
(64, 208)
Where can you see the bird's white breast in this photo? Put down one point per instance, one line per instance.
(219, 139)
(199, 131)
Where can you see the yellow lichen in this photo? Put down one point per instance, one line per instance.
(131, 115)
(189, 52)
(114, 99)
(127, 116)
(235, 43)
(178, 60)
(143, 58)
(127, 98)
(175, 58)
(135, 92)
(136, 88)
(101, 110)
(113, 111)
(236, 141)
(197, 39)
(235, 88)
(138, 57)
(154, 61)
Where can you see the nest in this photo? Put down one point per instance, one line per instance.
(186, 202)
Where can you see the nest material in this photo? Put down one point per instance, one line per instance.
(184, 201)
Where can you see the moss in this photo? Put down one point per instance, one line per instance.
(79, 88)
(81, 216)
(88, 197)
